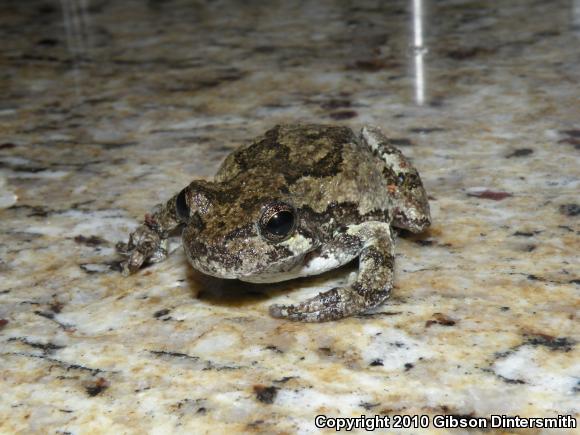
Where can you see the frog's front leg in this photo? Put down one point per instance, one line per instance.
(372, 287)
(149, 242)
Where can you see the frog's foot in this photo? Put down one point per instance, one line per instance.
(372, 287)
(145, 246)
(331, 305)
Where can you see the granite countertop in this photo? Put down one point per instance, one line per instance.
(110, 107)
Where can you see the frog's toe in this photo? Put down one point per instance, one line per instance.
(133, 263)
(329, 305)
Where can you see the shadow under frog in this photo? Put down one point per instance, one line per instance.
(236, 293)
(300, 200)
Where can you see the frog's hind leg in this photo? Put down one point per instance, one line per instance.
(372, 287)
(409, 204)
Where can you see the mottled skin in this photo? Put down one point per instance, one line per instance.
(339, 193)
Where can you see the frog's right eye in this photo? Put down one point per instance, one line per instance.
(181, 207)
(278, 222)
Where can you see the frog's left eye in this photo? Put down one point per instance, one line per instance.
(400, 179)
(181, 207)
(278, 221)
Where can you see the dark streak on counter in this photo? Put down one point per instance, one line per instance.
(520, 152)
(368, 405)
(45, 347)
(64, 365)
(161, 313)
(162, 353)
(50, 316)
(563, 344)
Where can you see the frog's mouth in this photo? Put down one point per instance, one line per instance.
(248, 267)
(282, 270)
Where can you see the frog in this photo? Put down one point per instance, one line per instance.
(299, 200)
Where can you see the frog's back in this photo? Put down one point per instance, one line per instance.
(294, 150)
(319, 164)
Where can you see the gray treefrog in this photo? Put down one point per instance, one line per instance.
(300, 200)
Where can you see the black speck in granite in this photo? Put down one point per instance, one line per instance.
(47, 9)
(326, 351)
(490, 194)
(574, 141)
(373, 65)
(520, 152)
(376, 362)
(44, 314)
(284, 379)
(467, 53)
(570, 209)
(408, 366)
(86, 268)
(336, 103)
(163, 353)
(343, 114)
(440, 319)
(253, 425)
(368, 405)
(161, 313)
(90, 240)
(97, 387)
(273, 348)
(572, 133)
(265, 394)
(48, 42)
(56, 307)
(525, 233)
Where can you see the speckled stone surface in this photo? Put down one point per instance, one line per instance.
(108, 108)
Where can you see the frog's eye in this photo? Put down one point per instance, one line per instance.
(278, 222)
(181, 207)
(400, 179)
